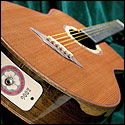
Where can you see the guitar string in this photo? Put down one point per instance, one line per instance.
(71, 39)
(85, 28)
(79, 29)
(80, 35)
(77, 33)
(82, 38)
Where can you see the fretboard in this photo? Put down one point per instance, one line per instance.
(101, 31)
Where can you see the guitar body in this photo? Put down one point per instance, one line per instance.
(71, 95)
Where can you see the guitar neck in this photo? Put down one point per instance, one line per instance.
(101, 31)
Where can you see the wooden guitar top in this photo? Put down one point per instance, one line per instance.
(94, 83)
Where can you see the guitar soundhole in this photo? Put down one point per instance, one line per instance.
(83, 39)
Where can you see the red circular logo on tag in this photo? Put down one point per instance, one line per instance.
(18, 80)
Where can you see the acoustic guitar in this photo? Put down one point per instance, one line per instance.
(54, 70)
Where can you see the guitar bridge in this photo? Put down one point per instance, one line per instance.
(58, 47)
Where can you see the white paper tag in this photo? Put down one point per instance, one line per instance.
(17, 86)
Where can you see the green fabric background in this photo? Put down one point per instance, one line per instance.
(90, 13)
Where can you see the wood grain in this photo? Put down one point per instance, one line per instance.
(53, 105)
(94, 84)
